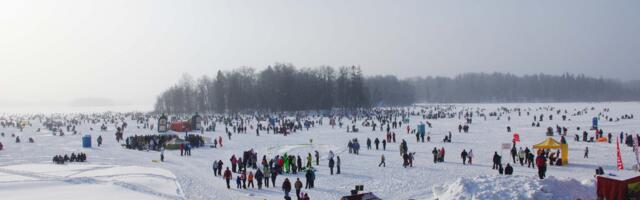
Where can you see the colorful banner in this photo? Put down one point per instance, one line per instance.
(635, 150)
(620, 166)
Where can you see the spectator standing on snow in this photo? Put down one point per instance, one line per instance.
(464, 155)
(286, 187)
(162, 154)
(541, 162)
(243, 177)
(227, 176)
(384, 145)
(310, 178)
(267, 175)
(496, 160)
(298, 187)
(470, 156)
(309, 160)
(215, 168)
(514, 153)
(259, 176)
(331, 163)
(338, 165)
(376, 142)
(234, 163)
(318, 158)
(250, 180)
(274, 175)
(521, 156)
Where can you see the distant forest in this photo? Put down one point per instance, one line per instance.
(283, 87)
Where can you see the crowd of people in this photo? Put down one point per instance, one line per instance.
(249, 170)
(148, 142)
(249, 175)
(60, 159)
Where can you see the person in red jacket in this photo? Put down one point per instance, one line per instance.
(227, 176)
(541, 162)
(234, 163)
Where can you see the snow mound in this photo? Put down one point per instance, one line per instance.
(515, 187)
(79, 181)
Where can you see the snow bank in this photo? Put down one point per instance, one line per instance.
(79, 181)
(515, 187)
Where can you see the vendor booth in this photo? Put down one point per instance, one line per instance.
(550, 143)
(196, 122)
(618, 187)
(181, 126)
(163, 124)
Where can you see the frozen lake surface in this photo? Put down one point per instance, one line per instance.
(26, 170)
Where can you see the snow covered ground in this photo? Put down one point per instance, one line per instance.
(87, 181)
(502, 187)
(22, 174)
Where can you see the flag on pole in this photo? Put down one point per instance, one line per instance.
(620, 166)
(635, 150)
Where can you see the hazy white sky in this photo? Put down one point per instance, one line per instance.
(131, 50)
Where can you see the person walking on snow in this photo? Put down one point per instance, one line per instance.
(286, 187)
(298, 187)
(470, 156)
(586, 152)
(464, 155)
(227, 177)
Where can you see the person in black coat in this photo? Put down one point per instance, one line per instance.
(259, 176)
(514, 153)
(286, 187)
(310, 178)
(376, 142)
(331, 164)
(384, 145)
(464, 155)
(299, 163)
(496, 160)
(508, 170)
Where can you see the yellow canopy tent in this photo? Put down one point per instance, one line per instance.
(550, 143)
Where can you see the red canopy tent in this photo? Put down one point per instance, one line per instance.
(181, 126)
(613, 187)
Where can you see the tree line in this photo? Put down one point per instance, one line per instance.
(283, 87)
(504, 87)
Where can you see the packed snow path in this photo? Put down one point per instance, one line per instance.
(82, 181)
